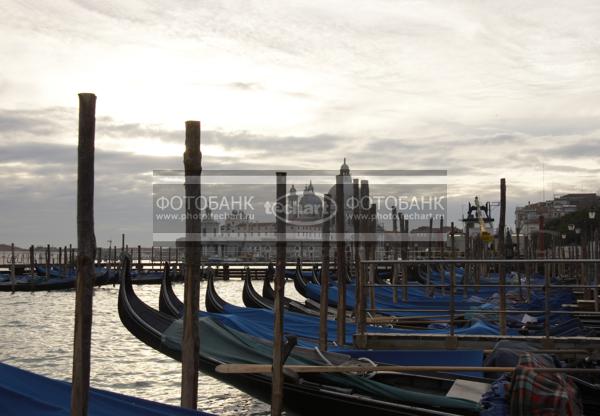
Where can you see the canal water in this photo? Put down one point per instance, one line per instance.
(36, 334)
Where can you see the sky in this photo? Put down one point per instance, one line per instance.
(485, 90)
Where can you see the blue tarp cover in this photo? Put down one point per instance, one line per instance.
(24, 393)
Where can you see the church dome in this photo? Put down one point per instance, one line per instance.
(310, 204)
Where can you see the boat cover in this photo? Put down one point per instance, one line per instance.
(25, 393)
(227, 345)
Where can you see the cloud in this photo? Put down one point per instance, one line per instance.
(482, 90)
(245, 86)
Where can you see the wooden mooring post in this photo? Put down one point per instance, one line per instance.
(65, 260)
(324, 300)
(13, 278)
(32, 260)
(86, 250)
(192, 161)
(395, 251)
(48, 261)
(502, 255)
(139, 257)
(278, 358)
(341, 259)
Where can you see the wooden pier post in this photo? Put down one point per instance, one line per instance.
(502, 250)
(324, 305)
(442, 271)
(372, 230)
(48, 261)
(66, 262)
(341, 259)
(356, 225)
(404, 254)
(32, 260)
(13, 278)
(192, 161)
(281, 218)
(139, 257)
(86, 250)
(395, 251)
(430, 289)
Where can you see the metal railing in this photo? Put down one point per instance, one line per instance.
(555, 274)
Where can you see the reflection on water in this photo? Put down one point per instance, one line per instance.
(36, 334)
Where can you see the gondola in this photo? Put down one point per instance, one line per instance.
(37, 284)
(310, 307)
(300, 282)
(251, 298)
(26, 393)
(168, 302)
(213, 302)
(147, 277)
(307, 394)
(28, 283)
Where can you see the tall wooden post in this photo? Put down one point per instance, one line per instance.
(122, 242)
(341, 259)
(395, 251)
(32, 260)
(356, 224)
(48, 261)
(12, 267)
(404, 254)
(139, 259)
(325, 275)
(502, 268)
(452, 281)
(86, 250)
(442, 239)
(372, 229)
(441, 268)
(192, 162)
(65, 265)
(277, 380)
(430, 289)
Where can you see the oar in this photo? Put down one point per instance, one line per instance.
(267, 368)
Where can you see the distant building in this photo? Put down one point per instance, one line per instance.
(240, 237)
(527, 217)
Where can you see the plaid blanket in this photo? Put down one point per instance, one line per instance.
(542, 394)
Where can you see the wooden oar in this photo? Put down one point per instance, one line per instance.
(266, 368)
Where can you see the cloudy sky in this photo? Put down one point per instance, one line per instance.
(483, 89)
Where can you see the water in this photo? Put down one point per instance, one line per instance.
(36, 334)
